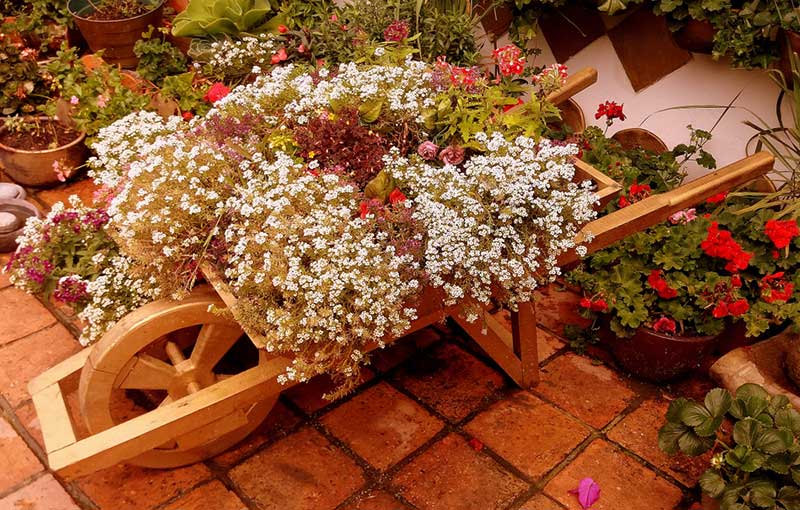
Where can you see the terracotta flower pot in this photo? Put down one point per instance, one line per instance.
(116, 37)
(35, 167)
(658, 357)
(495, 17)
(637, 137)
(789, 42)
(696, 36)
(17, 211)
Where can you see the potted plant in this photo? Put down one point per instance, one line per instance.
(40, 151)
(754, 438)
(114, 26)
(693, 22)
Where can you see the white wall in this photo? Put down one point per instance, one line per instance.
(701, 81)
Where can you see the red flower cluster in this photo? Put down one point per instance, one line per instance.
(781, 232)
(715, 199)
(728, 301)
(375, 206)
(611, 110)
(216, 92)
(446, 75)
(657, 281)
(597, 305)
(636, 193)
(664, 325)
(279, 57)
(734, 308)
(720, 243)
(509, 59)
(774, 287)
(396, 31)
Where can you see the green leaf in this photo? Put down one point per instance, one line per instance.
(762, 493)
(751, 390)
(780, 463)
(746, 431)
(712, 483)
(694, 414)
(718, 401)
(789, 497)
(788, 419)
(676, 409)
(669, 435)
(773, 441)
(370, 110)
(692, 444)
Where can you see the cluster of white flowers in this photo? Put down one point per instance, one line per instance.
(233, 58)
(308, 276)
(113, 294)
(501, 222)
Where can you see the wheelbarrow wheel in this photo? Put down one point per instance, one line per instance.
(160, 353)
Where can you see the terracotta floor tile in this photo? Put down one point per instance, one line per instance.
(43, 494)
(378, 501)
(557, 307)
(133, 488)
(449, 379)
(452, 475)
(593, 393)
(278, 422)
(300, 472)
(210, 496)
(28, 357)
(624, 483)
(382, 425)
(541, 502)
(308, 396)
(84, 188)
(639, 433)
(22, 315)
(529, 433)
(19, 462)
(386, 359)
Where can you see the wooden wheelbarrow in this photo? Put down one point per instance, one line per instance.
(173, 352)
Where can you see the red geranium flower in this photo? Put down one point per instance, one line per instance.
(781, 232)
(774, 287)
(396, 196)
(715, 199)
(720, 243)
(661, 286)
(610, 110)
(738, 307)
(283, 29)
(665, 325)
(216, 92)
(600, 305)
(585, 303)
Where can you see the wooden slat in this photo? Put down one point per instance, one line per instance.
(497, 342)
(57, 428)
(59, 372)
(213, 342)
(526, 347)
(150, 430)
(657, 208)
(147, 373)
(607, 188)
(576, 82)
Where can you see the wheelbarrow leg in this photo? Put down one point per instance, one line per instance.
(523, 333)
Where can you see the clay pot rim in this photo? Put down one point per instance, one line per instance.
(81, 137)
(103, 21)
(697, 339)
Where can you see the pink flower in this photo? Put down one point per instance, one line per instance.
(216, 92)
(334, 18)
(74, 100)
(396, 31)
(509, 59)
(683, 217)
(664, 325)
(279, 57)
(102, 101)
(588, 493)
(61, 175)
(452, 155)
(428, 150)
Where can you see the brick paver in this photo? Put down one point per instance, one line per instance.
(84, 189)
(450, 380)
(300, 472)
(387, 447)
(382, 425)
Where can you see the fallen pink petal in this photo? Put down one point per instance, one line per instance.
(588, 493)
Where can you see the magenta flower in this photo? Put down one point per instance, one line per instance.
(428, 150)
(588, 493)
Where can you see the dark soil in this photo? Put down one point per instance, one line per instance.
(43, 138)
(111, 10)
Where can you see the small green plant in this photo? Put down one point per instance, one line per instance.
(757, 466)
(204, 18)
(158, 58)
(22, 84)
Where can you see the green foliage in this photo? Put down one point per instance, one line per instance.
(181, 88)
(158, 58)
(209, 18)
(22, 85)
(760, 469)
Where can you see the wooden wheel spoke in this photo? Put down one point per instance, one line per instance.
(148, 373)
(213, 342)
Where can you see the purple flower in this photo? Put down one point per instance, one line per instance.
(452, 155)
(70, 289)
(428, 150)
(588, 493)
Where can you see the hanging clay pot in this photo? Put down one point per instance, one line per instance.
(696, 36)
(632, 138)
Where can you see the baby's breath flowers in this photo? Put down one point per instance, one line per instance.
(328, 207)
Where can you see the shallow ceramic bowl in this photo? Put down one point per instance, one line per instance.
(22, 210)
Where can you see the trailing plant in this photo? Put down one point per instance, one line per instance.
(757, 464)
